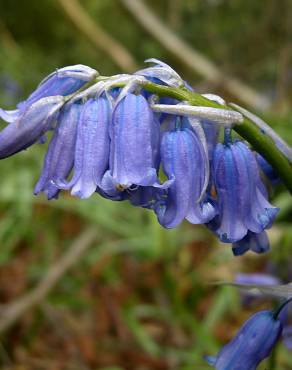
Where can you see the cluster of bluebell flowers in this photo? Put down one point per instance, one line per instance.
(113, 137)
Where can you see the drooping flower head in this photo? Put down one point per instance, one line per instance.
(120, 140)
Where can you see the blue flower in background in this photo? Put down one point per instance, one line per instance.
(252, 344)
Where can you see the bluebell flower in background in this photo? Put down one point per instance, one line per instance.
(252, 344)
(259, 278)
(60, 155)
(243, 206)
(183, 160)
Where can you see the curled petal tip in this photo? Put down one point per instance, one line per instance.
(9, 115)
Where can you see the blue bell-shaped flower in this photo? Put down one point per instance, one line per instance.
(60, 155)
(183, 160)
(253, 342)
(92, 148)
(134, 145)
(241, 195)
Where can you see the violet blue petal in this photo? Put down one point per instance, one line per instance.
(258, 243)
(22, 133)
(10, 115)
(133, 143)
(146, 196)
(252, 344)
(92, 147)
(60, 155)
(230, 185)
(258, 212)
(182, 161)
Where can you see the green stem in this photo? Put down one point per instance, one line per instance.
(273, 359)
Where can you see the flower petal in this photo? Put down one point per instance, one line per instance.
(22, 133)
(133, 134)
(258, 212)
(230, 193)
(92, 147)
(258, 243)
(161, 71)
(60, 155)
(182, 161)
(252, 344)
(10, 115)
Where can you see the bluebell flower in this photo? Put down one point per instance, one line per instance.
(34, 123)
(63, 81)
(134, 145)
(252, 344)
(241, 195)
(92, 148)
(183, 160)
(60, 155)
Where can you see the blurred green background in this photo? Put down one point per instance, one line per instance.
(137, 297)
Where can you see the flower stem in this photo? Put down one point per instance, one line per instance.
(273, 359)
